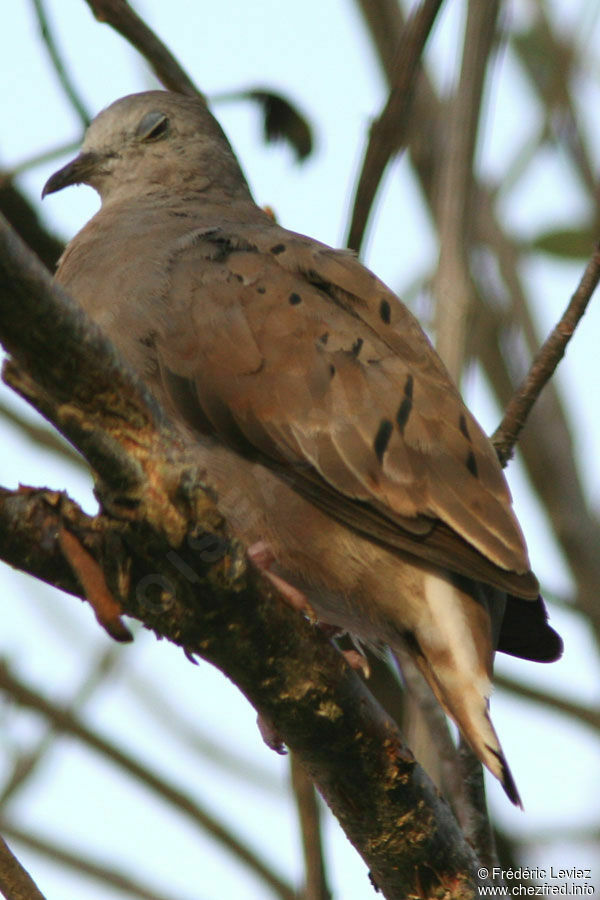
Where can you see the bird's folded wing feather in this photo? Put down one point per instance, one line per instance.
(298, 355)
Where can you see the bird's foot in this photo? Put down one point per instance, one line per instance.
(357, 661)
(263, 558)
(270, 735)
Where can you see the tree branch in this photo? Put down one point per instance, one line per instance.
(385, 21)
(475, 819)
(29, 523)
(26, 762)
(26, 222)
(543, 366)
(546, 445)
(79, 862)
(310, 828)
(120, 16)
(223, 754)
(15, 882)
(59, 67)
(587, 715)
(65, 721)
(452, 285)
(40, 158)
(44, 438)
(388, 133)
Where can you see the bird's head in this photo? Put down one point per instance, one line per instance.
(151, 143)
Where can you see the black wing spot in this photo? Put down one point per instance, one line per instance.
(498, 756)
(472, 464)
(324, 337)
(405, 407)
(277, 249)
(331, 369)
(356, 347)
(382, 438)
(385, 311)
(462, 424)
(261, 289)
(295, 299)
(222, 248)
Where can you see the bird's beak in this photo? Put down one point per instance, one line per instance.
(77, 171)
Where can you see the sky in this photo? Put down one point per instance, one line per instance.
(318, 54)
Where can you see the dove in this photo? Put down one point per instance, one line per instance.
(341, 451)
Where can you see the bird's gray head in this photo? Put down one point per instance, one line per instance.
(149, 143)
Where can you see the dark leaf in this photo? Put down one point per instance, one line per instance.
(282, 120)
(571, 243)
(547, 61)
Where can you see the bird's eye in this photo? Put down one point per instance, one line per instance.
(153, 126)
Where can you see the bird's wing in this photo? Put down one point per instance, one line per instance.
(298, 355)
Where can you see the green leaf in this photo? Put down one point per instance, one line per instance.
(547, 59)
(571, 243)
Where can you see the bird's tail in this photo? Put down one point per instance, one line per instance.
(453, 649)
(469, 709)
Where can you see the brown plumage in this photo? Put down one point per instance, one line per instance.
(326, 421)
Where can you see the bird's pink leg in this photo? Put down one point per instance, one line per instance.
(263, 558)
(357, 661)
(270, 735)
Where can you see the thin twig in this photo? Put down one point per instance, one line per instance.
(44, 438)
(226, 755)
(108, 876)
(460, 772)
(59, 67)
(315, 887)
(24, 218)
(27, 762)
(120, 16)
(436, 751)
(455, 295)
(15, 882)
(587, 715)
(385, 21)
(547, 445)
(64, 720)
(546, 361)
(452, 286)
(476, 825)
(519, 165)
(556, 97)
(388, 133)
(575, 835)
(40, 159)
